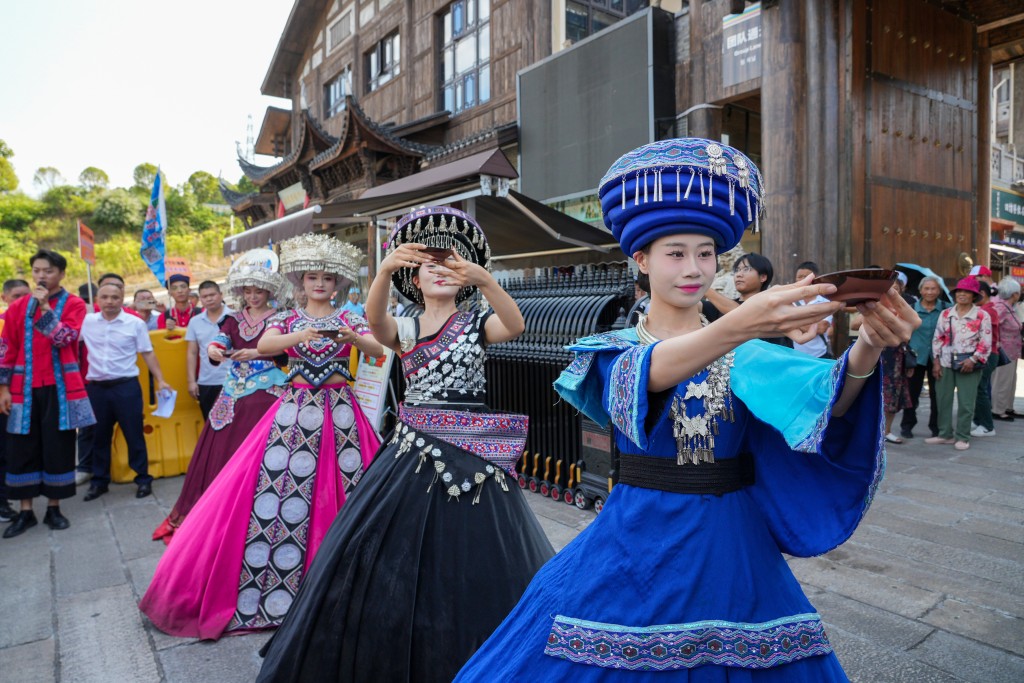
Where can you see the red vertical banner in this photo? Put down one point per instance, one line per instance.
(86, 243)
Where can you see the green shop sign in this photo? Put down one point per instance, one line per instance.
(1008, 206)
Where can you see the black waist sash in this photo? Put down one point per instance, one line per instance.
(663, 474)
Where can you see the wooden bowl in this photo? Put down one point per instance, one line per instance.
(858, 286)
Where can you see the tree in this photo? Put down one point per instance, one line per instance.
(246, 186)
(205, 187)
(47, 177)
(144, 175)
(68, 201)
(119, 210)
(92, 178)
(8, 178)
(18, 210)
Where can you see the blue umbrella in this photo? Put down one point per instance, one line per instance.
(916, 273)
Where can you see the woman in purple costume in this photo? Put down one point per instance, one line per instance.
(253, 384)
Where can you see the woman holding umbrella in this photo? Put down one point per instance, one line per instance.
(928, 307)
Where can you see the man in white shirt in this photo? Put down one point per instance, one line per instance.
(114, 338)
(818, 346)
(205, 385)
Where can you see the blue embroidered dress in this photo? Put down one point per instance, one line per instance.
(668, 586)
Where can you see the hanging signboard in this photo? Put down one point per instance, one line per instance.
(177, 266)
(86, 243)
(371, 385)
(741, 46)
(1008, 205)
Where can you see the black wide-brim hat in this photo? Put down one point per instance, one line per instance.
(443, 227)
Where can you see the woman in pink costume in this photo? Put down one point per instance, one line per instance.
(237, 560)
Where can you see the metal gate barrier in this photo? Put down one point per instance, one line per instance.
(559, 307)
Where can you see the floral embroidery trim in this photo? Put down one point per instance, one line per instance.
(671, 647)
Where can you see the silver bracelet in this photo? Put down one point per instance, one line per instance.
(853, 376)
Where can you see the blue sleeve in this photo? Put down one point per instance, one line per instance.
(816, 474)
(610, 387)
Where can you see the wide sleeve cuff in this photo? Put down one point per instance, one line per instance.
(221, 341)
(816, 474)
(5, 376)
(60, 334)
(626, 396)
(356, 322)
(580, 385)
(791, 391)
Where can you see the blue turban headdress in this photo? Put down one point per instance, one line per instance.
(682, 185)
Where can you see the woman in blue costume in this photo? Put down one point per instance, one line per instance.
(733, 452)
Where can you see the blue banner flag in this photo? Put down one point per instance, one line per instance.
(153, 231)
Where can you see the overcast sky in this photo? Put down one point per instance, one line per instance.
(114, 83)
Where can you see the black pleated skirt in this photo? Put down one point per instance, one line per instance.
(430, 553)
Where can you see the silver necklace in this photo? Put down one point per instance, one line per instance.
(695, 434)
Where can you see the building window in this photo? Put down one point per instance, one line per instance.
(585, 18)
(466, 54)
(341, 30)
(382, 62)
(335, 92)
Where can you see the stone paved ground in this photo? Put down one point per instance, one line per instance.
(930, 587)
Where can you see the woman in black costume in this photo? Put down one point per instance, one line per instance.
(438, 543)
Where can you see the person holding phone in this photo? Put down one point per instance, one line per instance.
(237, 560)
(252, 385)
(437, 543)
(733, 451)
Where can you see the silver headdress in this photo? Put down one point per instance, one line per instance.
(320, 252)
(258, 268)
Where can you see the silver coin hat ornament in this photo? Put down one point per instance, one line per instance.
(442, 227)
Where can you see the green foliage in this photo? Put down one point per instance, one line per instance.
(181, 204)
(17, 211)
(5, 151)
(205, 187)
(116, 215)
(144, 175)
(47, 178)
(8, 178)
(92, 178)
(119, 210)
(246, 186)
(68, 201)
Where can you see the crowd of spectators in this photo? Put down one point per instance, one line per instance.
(967, 348)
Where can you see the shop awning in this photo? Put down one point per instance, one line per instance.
(273, 232)
(515, 224)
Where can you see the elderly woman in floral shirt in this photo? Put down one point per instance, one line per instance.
(960, 348)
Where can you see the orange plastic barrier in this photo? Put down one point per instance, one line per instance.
(170, 441)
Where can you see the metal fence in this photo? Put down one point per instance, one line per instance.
(558, 307)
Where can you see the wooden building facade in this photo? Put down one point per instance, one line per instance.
(380, 89)
(870, 119)
(874, 123)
